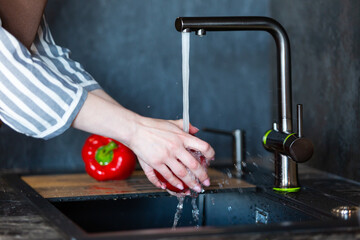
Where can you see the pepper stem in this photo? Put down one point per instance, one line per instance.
(104, 154)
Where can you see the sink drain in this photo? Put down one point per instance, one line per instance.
(261, 216)
(346, 212)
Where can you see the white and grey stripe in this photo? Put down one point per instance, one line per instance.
(41, 91)
(58, 59)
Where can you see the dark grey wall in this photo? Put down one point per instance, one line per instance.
(132, 48)
(325, 42)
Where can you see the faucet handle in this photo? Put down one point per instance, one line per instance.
(299, 149)
(300, 120)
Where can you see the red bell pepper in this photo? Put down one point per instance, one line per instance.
(107, 159)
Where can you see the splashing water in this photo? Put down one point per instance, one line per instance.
(195, 210)
(228, 173)
(179, 209)
(194, 195)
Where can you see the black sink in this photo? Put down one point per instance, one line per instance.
(215, 209)
(258, 210)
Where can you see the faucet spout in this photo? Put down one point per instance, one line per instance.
(285, 166)
(205, 24)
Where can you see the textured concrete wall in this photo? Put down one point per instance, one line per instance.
(325, 42)
(132, 48)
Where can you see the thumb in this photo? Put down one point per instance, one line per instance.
(193, 130)
(180, 124)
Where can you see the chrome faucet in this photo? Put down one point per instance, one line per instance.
(288, 147)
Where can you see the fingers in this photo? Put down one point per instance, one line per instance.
(196, 143)
(170, 177)
(169, 156)
(196, 172)
(200, 145)
(193, 130)
(150, 174)
(181, 194)
(185, 175)
(178, 171)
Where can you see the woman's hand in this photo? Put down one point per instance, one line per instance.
(161, 145)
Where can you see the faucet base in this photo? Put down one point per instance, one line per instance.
(286, 172)
(287, 190)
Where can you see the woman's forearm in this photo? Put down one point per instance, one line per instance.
(102, 115)
(101, 93)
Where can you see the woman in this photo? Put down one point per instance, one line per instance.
(43, 92)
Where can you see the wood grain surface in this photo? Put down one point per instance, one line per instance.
(81, 185)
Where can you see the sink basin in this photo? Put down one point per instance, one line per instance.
(236, 210)
(215, 209)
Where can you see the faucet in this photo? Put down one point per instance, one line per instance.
(238, 147)
(289, 148)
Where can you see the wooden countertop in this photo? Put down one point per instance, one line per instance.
(82, 185)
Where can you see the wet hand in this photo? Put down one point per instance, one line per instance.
(162, 145)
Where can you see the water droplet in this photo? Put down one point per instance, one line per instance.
(228, 173)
